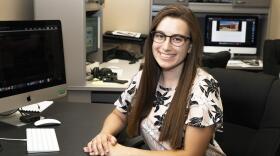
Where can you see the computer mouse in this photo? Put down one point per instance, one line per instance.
(47, 122)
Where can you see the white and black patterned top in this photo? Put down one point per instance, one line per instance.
(205, 107)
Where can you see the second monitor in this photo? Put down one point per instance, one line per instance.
(236, 34)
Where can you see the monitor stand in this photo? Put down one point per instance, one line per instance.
(13, 119)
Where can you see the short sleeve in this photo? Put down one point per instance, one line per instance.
(124, 101)
(205, 105)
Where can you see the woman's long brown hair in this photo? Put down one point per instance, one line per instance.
(174, 121)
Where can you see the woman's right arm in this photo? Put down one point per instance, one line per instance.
(113, 124)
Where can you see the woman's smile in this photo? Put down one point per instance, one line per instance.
(166, 55)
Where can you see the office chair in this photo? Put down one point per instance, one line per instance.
(271, 57)
(215, 60)
(137, 141)
(251, 123)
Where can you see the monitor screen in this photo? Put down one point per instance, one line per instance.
(92, 33)
(236, 34)
(31, 63)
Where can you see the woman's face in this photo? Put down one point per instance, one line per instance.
(167, 55)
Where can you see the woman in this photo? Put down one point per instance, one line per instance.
(172, 102)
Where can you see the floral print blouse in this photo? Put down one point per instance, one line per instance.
(205, 108)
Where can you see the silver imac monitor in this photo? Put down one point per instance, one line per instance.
(236, 34)
(32, 67)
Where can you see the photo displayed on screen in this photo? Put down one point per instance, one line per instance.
(235, 31)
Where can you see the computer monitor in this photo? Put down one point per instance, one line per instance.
(32, 65)
(236, 34)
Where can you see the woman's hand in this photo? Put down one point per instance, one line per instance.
(100, 144)
(118, 150)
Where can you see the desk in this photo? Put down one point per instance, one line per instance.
(80, 122)
(87, 92)
(124, 70)
(239, 64)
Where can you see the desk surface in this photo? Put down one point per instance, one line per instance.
(243, 65)
(124, 70)
(80, 122)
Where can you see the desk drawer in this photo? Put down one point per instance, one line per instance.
(104, 96)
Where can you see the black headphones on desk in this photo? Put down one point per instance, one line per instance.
(106, 75)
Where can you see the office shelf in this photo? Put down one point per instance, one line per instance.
(91, 6)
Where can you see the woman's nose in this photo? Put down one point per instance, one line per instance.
(166, 44)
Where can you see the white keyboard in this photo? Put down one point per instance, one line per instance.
(37, 107)
(41, 140)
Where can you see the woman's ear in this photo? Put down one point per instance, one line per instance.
(190, 48)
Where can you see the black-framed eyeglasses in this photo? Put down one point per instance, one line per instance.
(176, 39)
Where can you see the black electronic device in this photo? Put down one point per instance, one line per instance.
(120, 54)
(30, 118)
(109, 36)
(106, 75)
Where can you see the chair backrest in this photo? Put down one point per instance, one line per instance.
(267, 139)
(243, 93)
(251, 113)
(215, 60)
(271, 57)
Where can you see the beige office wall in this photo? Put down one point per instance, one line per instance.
(274, 20)
(16, 9)
(129, 15)
(133, 15)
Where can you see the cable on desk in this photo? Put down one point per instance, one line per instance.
(12, 139)
(29, 116)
